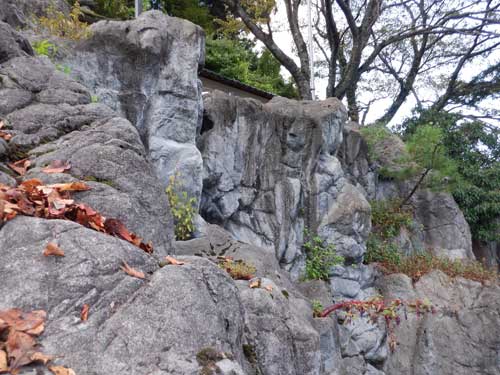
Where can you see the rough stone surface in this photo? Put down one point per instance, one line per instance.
(461, 338)
(270, 171)
(58, 122)
(12, 44)
(19, 13)
(147, 70)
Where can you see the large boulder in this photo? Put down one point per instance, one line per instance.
(147, 70)
(51, 118)
(460, 338)
(270, 171)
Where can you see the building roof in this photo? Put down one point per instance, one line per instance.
(209, 74)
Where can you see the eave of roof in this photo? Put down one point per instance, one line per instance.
(209, 74)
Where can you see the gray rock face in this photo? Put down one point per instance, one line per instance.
(147, 70)
(270, 171)
(18, 13)
(54, 121)
(12, 44)
(461, 338)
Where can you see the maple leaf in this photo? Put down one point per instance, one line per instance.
(53, 249)
(173, 261)
(84, 315)
(57, 166)
(20, 167)
(132, 271)
(116, 228)
(60, 370)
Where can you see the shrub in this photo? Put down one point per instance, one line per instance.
(182, 207)
(45, 48)
(388, 217)
(65, 26)
(237, 269)
(415, 266)
(317, 307)
(321, 257)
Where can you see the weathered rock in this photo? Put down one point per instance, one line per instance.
(147, 70)
(270, 171)
(19, 13)
(56, 122)
(461, 338)
(12, 44)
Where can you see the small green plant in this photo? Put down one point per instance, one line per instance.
(388, 217)
(45, 48)
(317, 307)
(237, 269)
(182, 207)
(63, 68)
(94, 99)
(321, 257)
(65, 26)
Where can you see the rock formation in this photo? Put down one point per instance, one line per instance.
(261, 174)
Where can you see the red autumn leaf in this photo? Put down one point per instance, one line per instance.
(20, 167)
(132, 271)
(116, 228)
(40, 357)
(147, 247)
(84, 315)
(57, 166)
(53, 249)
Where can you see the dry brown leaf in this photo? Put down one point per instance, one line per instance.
(31, 323)
(20, 167)
(84, 315)
(173, 261)
(60, 370)
(20, 347)
(132, 271)
(40, 357)
(254, 284)
(4, 367)
(2, 124)
(57, 166)
(70, 186)
(269, 288)
(53, 249)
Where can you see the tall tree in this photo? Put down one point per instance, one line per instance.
(388, 49)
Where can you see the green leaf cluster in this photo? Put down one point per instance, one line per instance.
(475, 149)
(182, 207)
(236, 59)
(321, 257)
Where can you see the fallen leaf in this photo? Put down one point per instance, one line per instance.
(31, 322)
(57, 166)
(53, 249)
(132, 271)
(2, 124)
(173, 261)
(269, 288)
(20, 167)
(20, 346)
(116, 228)
(4, 367)
(84, 315)
(70, 186)
(60, 370)
(254, 284)
(40, 357)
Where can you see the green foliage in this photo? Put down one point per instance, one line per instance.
(373, 135)
(475, 148)
(120, 9)
(63, 68)
(321, 257)
(236, 59)
(388, 217)
(191, 10)
(182, 207)
(64, 26)
(45, 48)
(317, 307)
(94, 99)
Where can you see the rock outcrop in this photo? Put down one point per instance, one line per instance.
(147, 71)
(270, 171)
